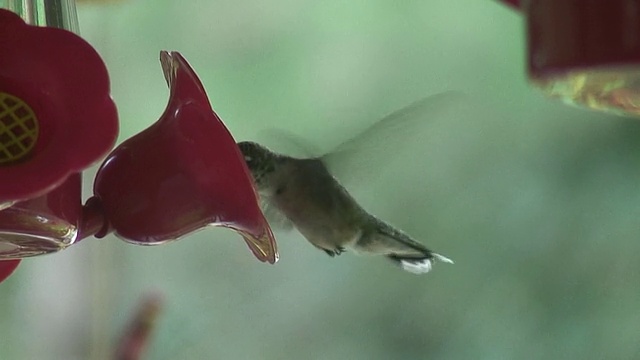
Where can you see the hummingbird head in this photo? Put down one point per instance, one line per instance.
(260, 160)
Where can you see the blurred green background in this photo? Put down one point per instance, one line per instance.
(536, 202)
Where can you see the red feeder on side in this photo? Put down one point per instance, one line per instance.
(57, 117)
(585, 52)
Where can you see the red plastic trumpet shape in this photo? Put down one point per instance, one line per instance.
(181, 174)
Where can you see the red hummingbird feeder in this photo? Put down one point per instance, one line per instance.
(585, 52)
(57, 118)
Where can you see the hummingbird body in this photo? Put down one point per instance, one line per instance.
(303, 193)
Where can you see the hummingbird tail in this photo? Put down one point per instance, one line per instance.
(400, 248)
(418, 265)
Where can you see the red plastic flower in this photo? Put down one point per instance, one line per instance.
(56, 114)
(182, 173)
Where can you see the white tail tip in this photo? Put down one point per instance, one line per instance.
(423, 266)
(444, 259)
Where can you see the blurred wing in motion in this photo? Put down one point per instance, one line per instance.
(433, 123)
(283, 141)
(362, 157)
(275, 217)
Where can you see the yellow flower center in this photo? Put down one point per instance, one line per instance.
(18, 128)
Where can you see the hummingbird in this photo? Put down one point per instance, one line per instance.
(301, 193)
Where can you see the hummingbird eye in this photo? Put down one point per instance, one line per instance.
(248, 158)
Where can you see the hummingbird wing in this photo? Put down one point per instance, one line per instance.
(361, 157)
(274, 217)
(284, 141)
